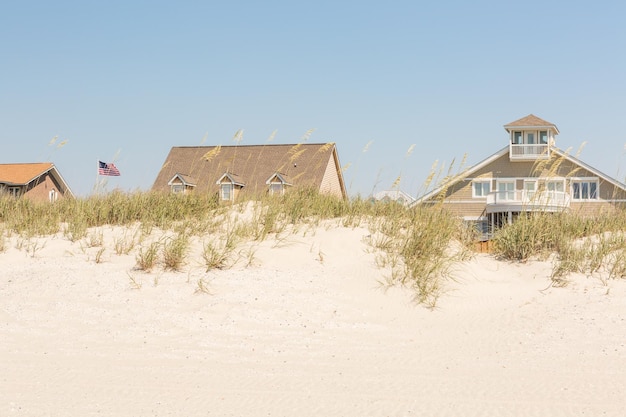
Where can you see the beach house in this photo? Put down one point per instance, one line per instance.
(393, 196)
(231, 172)
(36, 181)
(529, 174)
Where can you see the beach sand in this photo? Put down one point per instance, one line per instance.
(306, 329)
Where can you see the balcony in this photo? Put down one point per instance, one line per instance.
(524, 200)
(524, 152)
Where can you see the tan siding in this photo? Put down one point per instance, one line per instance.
(591, 208)
(462, 190)
(609, 191)
(330, 180)
(458, 197)
(504, 168)
(466, 209)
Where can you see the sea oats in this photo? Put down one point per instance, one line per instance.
(270, 139)
(210, 155)
(307, 134)
(238, 136)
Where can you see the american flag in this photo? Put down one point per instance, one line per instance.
(108, 169)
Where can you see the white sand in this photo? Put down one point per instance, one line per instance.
(296, 335)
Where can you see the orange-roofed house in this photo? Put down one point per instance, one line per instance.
(231, 172)
(35, 181)
(529, 174)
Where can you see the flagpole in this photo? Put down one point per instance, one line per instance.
(97, 176)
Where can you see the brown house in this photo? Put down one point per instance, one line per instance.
(35, 181)
(252, 170)
(529, 174)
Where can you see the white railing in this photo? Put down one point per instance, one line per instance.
(536, 151)
(527, 198)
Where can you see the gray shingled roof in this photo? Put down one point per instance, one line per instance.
(530, 121)
(303, 164)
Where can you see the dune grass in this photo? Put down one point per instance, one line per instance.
(583, 244)
(419, 246)
(416, 238)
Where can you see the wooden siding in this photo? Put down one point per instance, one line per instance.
(330, 181)
(458, 196)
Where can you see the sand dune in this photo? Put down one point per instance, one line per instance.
(305, 330)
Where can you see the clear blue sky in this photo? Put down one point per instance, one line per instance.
(124, 81)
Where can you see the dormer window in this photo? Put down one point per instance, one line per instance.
(181, 183)
(227, 192)
(277, 188)
(229, 185)
(277, 183)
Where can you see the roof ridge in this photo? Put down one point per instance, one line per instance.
(251, 145)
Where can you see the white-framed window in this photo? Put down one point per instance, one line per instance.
(585, 189)
(506, 189)
(14, 191)
(277, 188)
(178, 188)
(543, 137)
(555, 191)
(227, 191)
(481, 188)
(555, 186)
(530, 188)
(52, 196)
(517, 138)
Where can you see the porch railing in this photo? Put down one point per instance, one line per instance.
(529, 198)
(535, 151)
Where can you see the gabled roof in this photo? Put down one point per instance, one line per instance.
(185, 179)
(232, 178)
(281, 177)
(464, 174)
(394, 195)
(504, 151)
(24, 174)
(589, 168)
(530, 121)
(303, 164)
